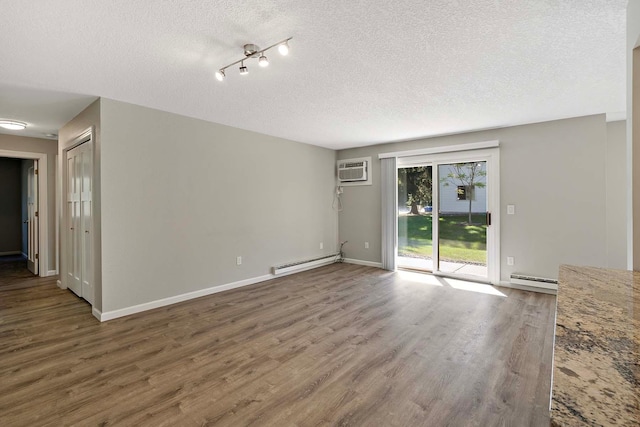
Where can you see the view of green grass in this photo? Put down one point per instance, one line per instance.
(459, 241)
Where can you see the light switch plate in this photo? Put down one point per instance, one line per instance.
(511, 209)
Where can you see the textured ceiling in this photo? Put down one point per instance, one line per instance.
(360, 72)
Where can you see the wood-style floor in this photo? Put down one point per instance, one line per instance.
(339, 345)
(14, 274)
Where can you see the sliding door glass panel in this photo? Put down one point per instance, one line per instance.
(462, 224)
(415, 249)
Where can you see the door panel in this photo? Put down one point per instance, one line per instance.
(32, 219)
(415, 248)
(73, 274)
(86, 225)
(462, 227)
(79, 222)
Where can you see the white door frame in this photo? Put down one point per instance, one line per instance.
(86, 137)
(492, 157)
(43, 207)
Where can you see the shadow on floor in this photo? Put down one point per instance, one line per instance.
(14, 273)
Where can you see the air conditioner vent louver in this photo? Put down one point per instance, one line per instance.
(352, 165)
(352, 171)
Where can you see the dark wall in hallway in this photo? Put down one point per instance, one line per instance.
(10, 205)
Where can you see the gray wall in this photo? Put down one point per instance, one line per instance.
(555, 174)
(616, 197)
(24, 196)
(182, 198)
(633, 133)
(10, 210)
(50, 148)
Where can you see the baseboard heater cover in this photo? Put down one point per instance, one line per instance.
(533, 281)
(304, 265)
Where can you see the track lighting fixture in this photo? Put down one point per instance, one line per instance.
(12, 125)
(253, 51)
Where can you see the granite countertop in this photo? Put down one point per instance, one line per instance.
(596, 367)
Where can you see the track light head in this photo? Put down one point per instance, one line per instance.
(220, 75)
(263, 61)
(243, 70)
(283, 48)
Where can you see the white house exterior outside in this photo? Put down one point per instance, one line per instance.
(449, 201)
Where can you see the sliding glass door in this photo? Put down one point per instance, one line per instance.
(447, 211)
(415, 207)
(462, 222)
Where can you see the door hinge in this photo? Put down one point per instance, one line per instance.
(36, 171)
(36, 213)
(36, 256)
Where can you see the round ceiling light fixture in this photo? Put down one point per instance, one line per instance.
(220, 75)
(263, 61)
(12, 125)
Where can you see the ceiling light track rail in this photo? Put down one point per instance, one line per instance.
(253, 51)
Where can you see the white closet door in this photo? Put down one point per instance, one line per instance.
(79, 268)
(86, 223)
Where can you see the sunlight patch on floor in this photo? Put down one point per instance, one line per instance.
(472, 287)
(427, 279)
(462, 285)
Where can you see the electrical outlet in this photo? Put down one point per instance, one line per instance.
(321, 245)
(511, 209)
(510, 260)
(366, 245)
(239, 260)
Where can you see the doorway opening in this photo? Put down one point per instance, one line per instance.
(23, 218)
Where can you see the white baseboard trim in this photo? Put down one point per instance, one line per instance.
(110, 315)
(506, 284)
(52, 273)
(96, 313)
(361, 262)
(60, 285)
(11, 253)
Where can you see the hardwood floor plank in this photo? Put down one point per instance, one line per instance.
(339, 345)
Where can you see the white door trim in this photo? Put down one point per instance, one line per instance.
(43, 205)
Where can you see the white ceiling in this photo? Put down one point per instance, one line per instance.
(360, 72)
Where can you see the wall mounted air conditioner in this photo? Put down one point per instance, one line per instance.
(352, 171)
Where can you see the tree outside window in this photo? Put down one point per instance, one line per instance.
(466, 177)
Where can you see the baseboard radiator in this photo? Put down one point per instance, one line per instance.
(533, 281)
(294, 267)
